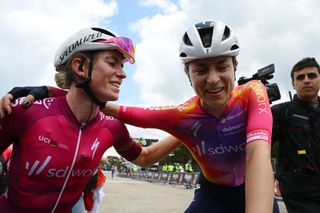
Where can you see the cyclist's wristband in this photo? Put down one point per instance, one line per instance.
(38, 92)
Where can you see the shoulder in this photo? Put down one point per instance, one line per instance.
(44, 103)
(281, 106)
(254, 85)
(251, 88)
(180, 108)
(48, 107)
(111, 122)
(191, 103)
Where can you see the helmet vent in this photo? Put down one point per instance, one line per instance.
(206, 36)
(234, 47)
(103, 31)
(183, 55)
(187, 40)
(226, 33)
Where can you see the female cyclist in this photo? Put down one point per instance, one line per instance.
(227, 128)
(58, 142)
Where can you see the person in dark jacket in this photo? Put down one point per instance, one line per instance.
(296, 129)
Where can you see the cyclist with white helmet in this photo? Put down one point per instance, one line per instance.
(226, 128)
(59, 142)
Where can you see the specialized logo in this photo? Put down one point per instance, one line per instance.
(195, 128)
(94, 147)
(73, 46)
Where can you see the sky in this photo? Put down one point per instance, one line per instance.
(269, 32)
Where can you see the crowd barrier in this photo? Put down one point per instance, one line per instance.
(190, 180)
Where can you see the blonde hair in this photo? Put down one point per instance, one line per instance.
(65, 75)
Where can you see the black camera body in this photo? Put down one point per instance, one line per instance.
(264, 74)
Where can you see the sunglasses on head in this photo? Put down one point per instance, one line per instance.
(124, 45)
(311, 75)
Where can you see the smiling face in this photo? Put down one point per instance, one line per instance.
(107, 75)
(306, 82)
(213, 81)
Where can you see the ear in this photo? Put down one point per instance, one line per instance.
(187, 73)
(292, 82)
(235, 63)
(78, 68)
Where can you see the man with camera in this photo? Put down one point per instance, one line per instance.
(296, 130)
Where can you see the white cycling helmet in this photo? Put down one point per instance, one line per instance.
(93, 39)
(208, 39)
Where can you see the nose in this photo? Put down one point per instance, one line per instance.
(121, 73)
(306, 80)
(213, 76)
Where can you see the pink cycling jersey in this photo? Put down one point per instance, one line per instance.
(54, 155)
(217, 143)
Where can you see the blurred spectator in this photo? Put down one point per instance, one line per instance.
(4, 169)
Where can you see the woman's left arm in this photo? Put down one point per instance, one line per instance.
(259, 181)
(157, 151)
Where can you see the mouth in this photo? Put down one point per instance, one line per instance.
(116, 84)
(307, 88)
(215, 91)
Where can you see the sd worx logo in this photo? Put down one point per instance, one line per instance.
(37, 167)
(218, 150)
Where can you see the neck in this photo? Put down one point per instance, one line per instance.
(216, 111)
(81, 105)
(311, 100)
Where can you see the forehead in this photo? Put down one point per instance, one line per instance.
(306, 71)
(212, 60)
(111, 54)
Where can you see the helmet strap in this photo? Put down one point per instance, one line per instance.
(84, 84)
(186, 70)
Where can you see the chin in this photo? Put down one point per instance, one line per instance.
(114, 98)
(110, 97)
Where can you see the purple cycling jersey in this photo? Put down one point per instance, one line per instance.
(217, 143)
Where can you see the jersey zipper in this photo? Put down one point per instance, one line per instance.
(71, 167)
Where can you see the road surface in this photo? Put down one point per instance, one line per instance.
(125, 195)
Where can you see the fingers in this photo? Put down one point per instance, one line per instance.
(5, 101)
(28, 100)
(5, 108)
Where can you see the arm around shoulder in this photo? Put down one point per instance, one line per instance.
(157, 151)
(112, 109)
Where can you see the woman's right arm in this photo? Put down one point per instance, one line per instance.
(5, 108)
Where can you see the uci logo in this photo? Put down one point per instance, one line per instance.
(48, 140)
